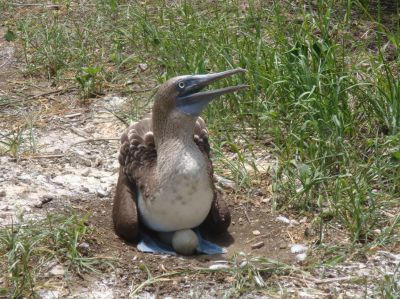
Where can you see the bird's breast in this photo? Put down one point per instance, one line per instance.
(181, 202)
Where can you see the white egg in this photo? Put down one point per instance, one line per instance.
(185, 241)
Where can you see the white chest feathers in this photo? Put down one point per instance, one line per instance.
(182, 203)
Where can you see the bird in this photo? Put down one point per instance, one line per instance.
(165, 180)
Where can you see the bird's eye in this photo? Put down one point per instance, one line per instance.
(181, 85)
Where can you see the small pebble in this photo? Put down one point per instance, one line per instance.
(301, 257)
(6, 208)
(102, 193)
(266, 200)
(257, 245)
(98, 162)
(80, 153)
(84, 245)
(298, 248)
(86, 162)
(283, 219)
(2, 193)
(143, 66)
(56, 180)
(57, 270)
(309, 232)
(84, 248)
(218, 266)
(46, 199)
(287, 220)
(86, 172)
(256, 232)
(25, 179)
(226, 183)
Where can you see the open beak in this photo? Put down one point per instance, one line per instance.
(193, 100)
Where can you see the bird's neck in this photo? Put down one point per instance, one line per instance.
(176, 129)
(177, 153)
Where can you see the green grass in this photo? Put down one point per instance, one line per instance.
(10, 142)
(29, 248)
(323, 88)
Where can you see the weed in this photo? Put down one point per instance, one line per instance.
(14, 142)
(30, 248)
(87, 78)
(44, 44)
(11, 142)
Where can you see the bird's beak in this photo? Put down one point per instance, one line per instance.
(193, 100)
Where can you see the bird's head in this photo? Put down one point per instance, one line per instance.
(184, 94)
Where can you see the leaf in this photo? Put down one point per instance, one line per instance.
(305, 171)
(396, 155)
(92, 70)
(10, 36)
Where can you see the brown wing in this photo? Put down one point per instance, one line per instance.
(137, 155)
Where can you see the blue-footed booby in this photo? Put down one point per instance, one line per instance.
(166, 176)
